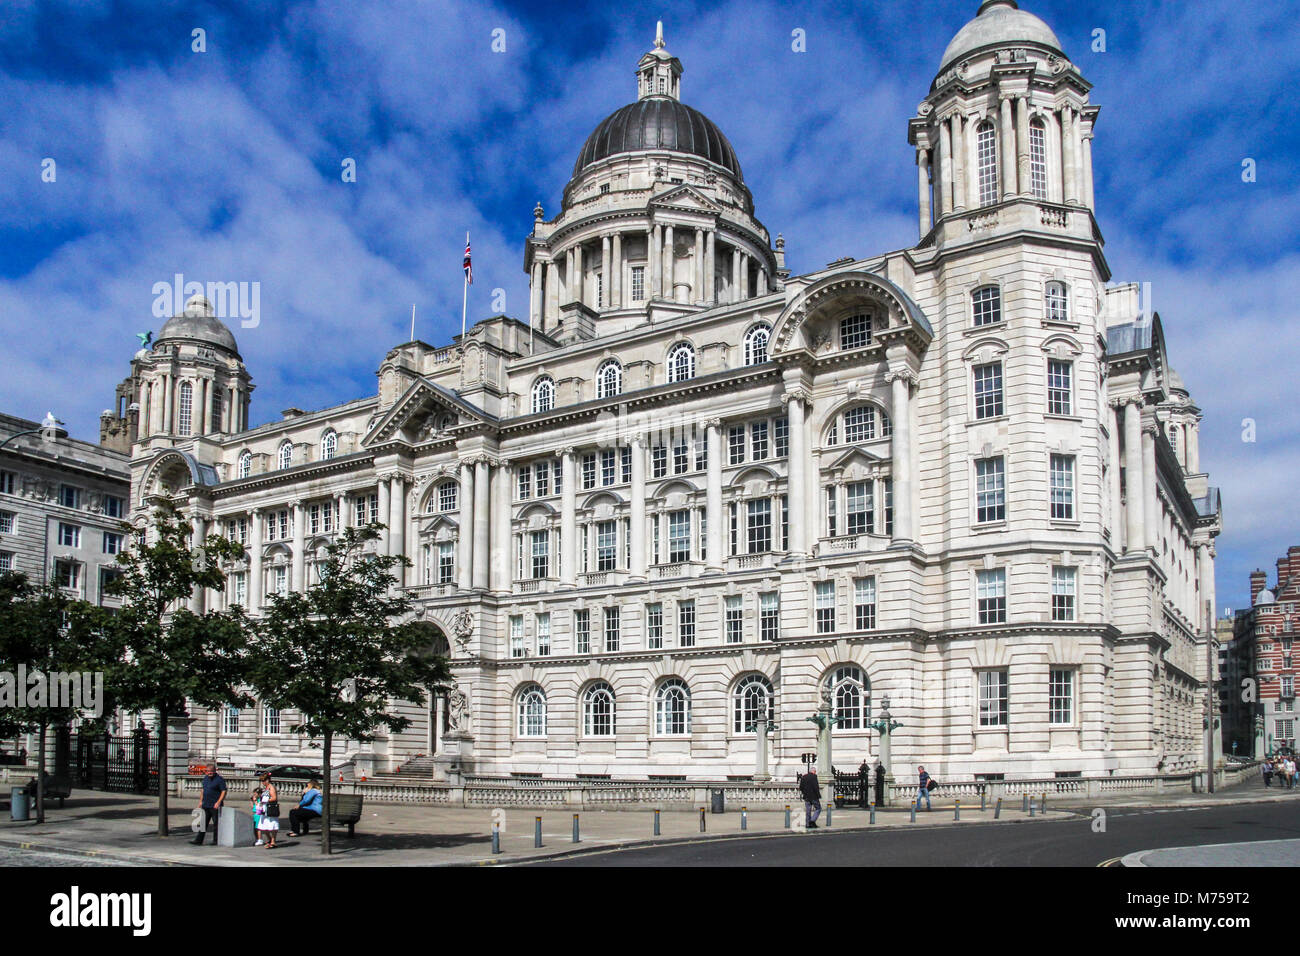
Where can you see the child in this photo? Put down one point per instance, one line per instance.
(257, 815)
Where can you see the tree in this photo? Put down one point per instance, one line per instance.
(50, 634)
(171, 655)
(336, 655)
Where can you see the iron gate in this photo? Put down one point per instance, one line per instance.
(126, 764)
(853, 788)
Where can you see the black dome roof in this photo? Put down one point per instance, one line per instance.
(658, 122)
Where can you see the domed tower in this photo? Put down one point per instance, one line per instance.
(1004, 139)
(656, 217)
(191, 383)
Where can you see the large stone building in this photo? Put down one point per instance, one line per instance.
(695, 490)
(1263, 636)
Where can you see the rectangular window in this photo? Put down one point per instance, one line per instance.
(230, 721)
(832, 526)
(582, 631)
(542, 476)
(8, 482)
(284, 523)
(611, 629)
(239, 582)
(781, 437)
(685, 623)
(446, 562)
(638, 283)
(758, 440)
(67, 574)
(1060, 389)
(861, 508)
(769, 615)
(1038, 160)
(990, 490)
(114, 507)
(6, 522)
(608, 466)
(859, 425)
(986, 305)
(864, 603)
(270, 721)
(986, 162)
(1060, 703)
(993, 700)
(626, 464)
(113, 543)
(606, 545)
(1063, 596)
(516, 635)
(543, 635)
(825, 607)
(735, 620)
(557, 478)
(654, 626)
(988, 390)
(588, 472)
(681, 459)
(659, 461)
(855, 332)
(6, 560)
(991, 596)
(541, 554)
(701, 454)
(313, 523)
(785, 522)
(1062, 503)
(525, 482)
(759, 525)
(69, 535)
(281, 577)
(889, 507)
(69, 496)
(447, 496)
(736, 445)
(732, 511)
(679, 536)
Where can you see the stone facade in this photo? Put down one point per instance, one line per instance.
(695, 490)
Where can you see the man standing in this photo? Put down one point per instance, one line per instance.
(214, 795)
(812, 797)
(924, 789)
(308, 809)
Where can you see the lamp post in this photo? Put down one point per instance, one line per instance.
(825, 719)
(760, 730)
(50, 429)
(885, 726)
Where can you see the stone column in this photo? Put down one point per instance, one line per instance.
(482, 476)
(710, 295)
(655, 258)
(761, 273)
(255, 597)
(341, 520)
(1194, 446)
(923, 188)
(535, 295)
(1022, 146)
(605, 291)
(901, 454)
(1150, 500)
(945, 168)
(385, 515)
(169, 392)
(502, 558)
(794, 402)
(713, 561)
(1008, 147)
(761, 774)
(299, 580)
(579, 277)
(637, 544)
(397, 524)
(697, 292)
(1134, 483)
(568, 519)
(1086, 162)
(668, 290)
(551, 300)
(1069, 168)
(1116, 502)
(465, 531)
(616, 280)
(958, 162)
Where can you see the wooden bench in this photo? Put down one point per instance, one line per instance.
(60, 787)
(345, 810)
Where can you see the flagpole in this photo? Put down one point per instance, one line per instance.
(412, 321)
(464, 298)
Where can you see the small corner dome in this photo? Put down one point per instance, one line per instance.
(1265, 597)
(198, 323)
(1176, 382)
(999, 23)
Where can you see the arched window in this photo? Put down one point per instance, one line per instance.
(1037, 158)
(861, 423)
(609, 379)
(285, 457)
(1056, 302)
(216, 409)
(986, 305)
(445, 500)
(681, 362)
(598, 711)
(673, 708)
(543, 394)
(532, 712)
(245, 464)
(756, 340)
(851, 695)
(986, 144)
(751, 702)
(329, 445)
(184, 415)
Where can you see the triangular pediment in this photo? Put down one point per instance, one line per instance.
(853, 455)
(424, 411)
(685, 196)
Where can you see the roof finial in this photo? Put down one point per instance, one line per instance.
(659, 35)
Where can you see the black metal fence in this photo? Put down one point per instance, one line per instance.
(126, 764)
(853, 788)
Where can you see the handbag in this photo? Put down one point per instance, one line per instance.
(931, 784)
(273, 808)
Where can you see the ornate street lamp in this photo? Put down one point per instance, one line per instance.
(50, 430)
(885, 726)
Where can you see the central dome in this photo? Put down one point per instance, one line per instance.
(198, 323)
(999, 22)
(658, 122)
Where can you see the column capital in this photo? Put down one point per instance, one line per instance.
(714, 422)
(1151, 428)
(501, 462)
(904, 374)
(796, 394)
(565, 452)
(467, 462)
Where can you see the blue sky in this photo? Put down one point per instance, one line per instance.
(226, 165)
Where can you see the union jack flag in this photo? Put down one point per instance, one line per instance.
(469, 270)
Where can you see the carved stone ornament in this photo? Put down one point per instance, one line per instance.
(462, 627)
(458, 712)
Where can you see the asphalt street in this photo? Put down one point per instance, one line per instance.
(14, 857)
(1071, 842)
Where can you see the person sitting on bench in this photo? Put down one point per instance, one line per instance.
(308, 809)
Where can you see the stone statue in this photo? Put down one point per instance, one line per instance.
(462, 627)
(457, 711)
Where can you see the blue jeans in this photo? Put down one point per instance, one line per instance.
(923, 792)
(812, 809)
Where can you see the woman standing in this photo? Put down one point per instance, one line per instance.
(270, 811)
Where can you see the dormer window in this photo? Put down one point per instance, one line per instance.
(285, 457)
(681, 363)
(855, 332)
(543, 394)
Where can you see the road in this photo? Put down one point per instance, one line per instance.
(12, 857)
(1070, 842)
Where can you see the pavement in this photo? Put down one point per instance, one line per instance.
(1256, 853)
(120, 829)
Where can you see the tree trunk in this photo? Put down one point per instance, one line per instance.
(40, 779)
(325, 797)
(162, 772)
